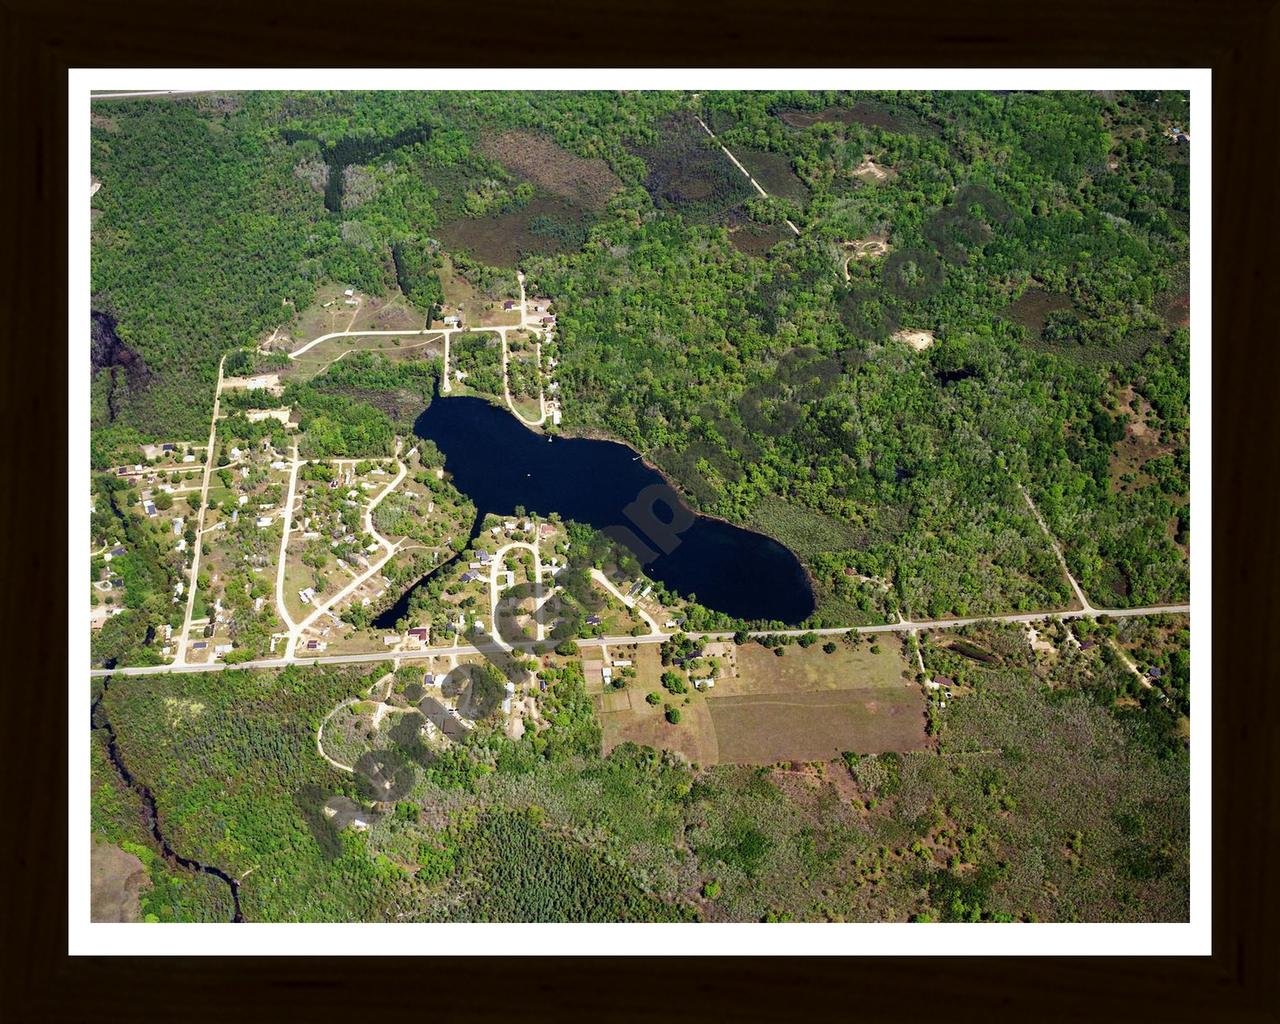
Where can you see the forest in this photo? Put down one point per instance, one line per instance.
(1040, 240)
(1046, 800)
(984, 296)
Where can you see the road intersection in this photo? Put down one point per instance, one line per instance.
(906, 626)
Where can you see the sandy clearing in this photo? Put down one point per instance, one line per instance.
(918, 340)
(869, 170)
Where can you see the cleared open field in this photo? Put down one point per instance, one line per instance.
(583, 182)
(806, 705)
(798, 670)
(408, 346)
(817, 725)
(116, 879)
(478, 308)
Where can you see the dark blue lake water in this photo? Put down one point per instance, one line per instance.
(500, 464)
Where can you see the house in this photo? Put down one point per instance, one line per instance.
(306, 595)
(168, 447)
(116, 553)
(420, 633)
(264, 521)
(509, 304)
(177, 525)
(594, 620)
(1154, 673)
(188, 458)
(199, 645)
(484, 557)
(221, 649)
(150, 508)
(478, 626)
(236, 453)
(453, 321)
(467, 577)
(943, 681)
(1088, 645)
(390, 640)
(621, 663)
(349, 293)
(548, 320)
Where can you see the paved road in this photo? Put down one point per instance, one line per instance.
(495, 567)
(150, 92)
(634, 605)
(432, 652)
(365, 334)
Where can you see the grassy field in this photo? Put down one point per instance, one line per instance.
(315, 360)
(809, 705)
(817, 725)
(329, 313)
(850, 667)
(585, 183)
(478, 309)
(804, 706)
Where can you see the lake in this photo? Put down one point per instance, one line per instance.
(500, 464)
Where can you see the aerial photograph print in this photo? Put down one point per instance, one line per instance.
(636, 505)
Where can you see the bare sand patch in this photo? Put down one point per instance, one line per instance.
(870, 247)
(918, 340)
(869, 170)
